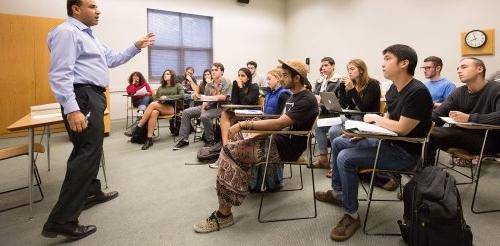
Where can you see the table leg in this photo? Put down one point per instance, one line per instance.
(48, 148)
(31, 136)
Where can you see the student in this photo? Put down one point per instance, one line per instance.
(240, 154)
(168, 89)
(329, 82)
(79, 75)
(188, 83)
(409, 106)
(244, 92)
(478, 101)
(136, 82)
(440, 88)
(200, 90)
(256, 78)
(219, 90)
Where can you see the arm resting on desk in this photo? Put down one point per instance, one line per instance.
(402, 127)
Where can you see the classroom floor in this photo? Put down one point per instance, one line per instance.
(161, 198)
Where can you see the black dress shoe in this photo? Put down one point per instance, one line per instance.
(100, 198)
(71, 230)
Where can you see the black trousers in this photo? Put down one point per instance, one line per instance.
(83, 163)
(454, 137)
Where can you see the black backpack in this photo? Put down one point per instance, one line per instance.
(209, 154)
(175, 125)
(433, 211)
(139, 134)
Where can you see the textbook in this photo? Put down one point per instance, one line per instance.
(366, 128)
(45, 110)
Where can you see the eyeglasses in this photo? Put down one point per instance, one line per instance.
(426, 68)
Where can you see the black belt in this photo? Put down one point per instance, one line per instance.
(97, 88)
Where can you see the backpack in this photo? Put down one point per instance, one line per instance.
(433, 211)
(209, 154)
(175, 125)
(273, 181)
(139, 134)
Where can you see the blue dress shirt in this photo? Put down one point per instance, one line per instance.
(78, 57)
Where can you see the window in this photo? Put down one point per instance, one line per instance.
(182, 40)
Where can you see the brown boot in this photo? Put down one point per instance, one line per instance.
(346, 227)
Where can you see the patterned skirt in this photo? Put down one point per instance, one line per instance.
(235, 162)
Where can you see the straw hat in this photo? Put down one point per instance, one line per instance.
(299, 66)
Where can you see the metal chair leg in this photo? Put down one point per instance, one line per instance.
(38, 184)
(103, 167)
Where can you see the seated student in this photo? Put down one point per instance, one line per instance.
(170, 89)
(136, 82)
(244, 92)
(478, 101)
(240, 154)
(275, 100)
(329, 82)
(355, 91)
(273, 105)
(218, 91)
(440, 88)
(409, 114)
(200, 89)
(189, 85)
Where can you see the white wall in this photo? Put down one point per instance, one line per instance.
(240, 32)
(362, 29)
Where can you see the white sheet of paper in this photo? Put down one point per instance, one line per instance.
(248, 111)
(141, 92)
(329, 121)
(364, 127)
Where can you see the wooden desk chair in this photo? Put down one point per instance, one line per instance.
(374, 170)
(178, 108)
(19, 150)
(307, 162)
(475, 175)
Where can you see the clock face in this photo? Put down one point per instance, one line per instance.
(475, 38)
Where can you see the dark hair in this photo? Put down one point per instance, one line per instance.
(204, 71)
(172, 78)
(69, 5)
(248, 74)
(294, 73)
(189, 68)
(218, 65)
(404, 52)
(478, 62)
(329, 60)
(141, 78)
(436, 61)
(252, 63)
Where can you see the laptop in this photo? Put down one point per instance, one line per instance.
(331, 103)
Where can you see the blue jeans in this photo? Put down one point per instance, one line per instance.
(142, 103)
(349, 156)
(321, 138)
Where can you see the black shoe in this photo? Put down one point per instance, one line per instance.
(71, 230)
(181, 144)
(147, 144)
(100, 198)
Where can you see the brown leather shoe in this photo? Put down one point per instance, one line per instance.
(71, 230)
(346, 227)
(327, 196)
(100, 198)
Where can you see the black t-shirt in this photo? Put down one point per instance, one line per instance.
(413, 101)
(302, 108)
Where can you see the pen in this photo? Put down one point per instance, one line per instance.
(87, 116)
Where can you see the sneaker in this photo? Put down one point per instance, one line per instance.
(213, 223)
(181, 144)
(140, 113)
(129, 132)
(328, 197)
(346, 227)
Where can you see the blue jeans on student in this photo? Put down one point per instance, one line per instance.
(349, 156)
(142, 103)
(321, 136)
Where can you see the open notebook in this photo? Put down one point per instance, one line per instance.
(450, 121)
(363, 127)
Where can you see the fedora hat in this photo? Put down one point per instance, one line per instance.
(297, 65)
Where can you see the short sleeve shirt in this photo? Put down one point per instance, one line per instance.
(413, 101)
(302, 108)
